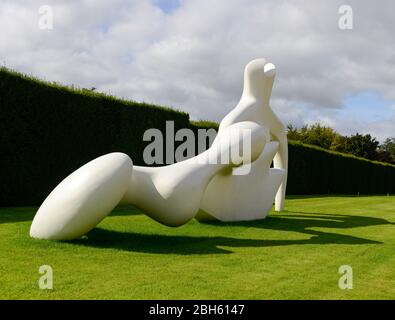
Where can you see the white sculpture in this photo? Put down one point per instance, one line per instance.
(197, 187)
(232, 198)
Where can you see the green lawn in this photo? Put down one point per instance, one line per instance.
(292, 255)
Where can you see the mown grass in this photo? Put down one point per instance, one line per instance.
(291, 255)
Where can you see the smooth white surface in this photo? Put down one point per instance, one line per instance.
(83, 199)
(254, 106)
(174, 194)
(231, 197)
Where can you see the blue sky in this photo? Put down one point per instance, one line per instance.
(367, 107)
(167, 6)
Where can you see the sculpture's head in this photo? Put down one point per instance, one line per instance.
(258, 78)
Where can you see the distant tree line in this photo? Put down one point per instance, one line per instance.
(359, 144)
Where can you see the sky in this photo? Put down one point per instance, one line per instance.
(190, 54)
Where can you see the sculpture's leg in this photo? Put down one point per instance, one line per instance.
(83, 199)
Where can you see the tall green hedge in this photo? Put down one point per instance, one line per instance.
(313, 170)
(48, 131)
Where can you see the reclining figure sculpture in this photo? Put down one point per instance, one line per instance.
(193, 188)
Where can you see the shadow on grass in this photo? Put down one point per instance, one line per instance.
(301, 222)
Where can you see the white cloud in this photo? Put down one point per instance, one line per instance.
(193, 58)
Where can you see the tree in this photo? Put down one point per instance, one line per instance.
(384, 156)
(389, 146)
(315, 134)
(292, 132)
(339, 144)
(362, 146)
(388, 149)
